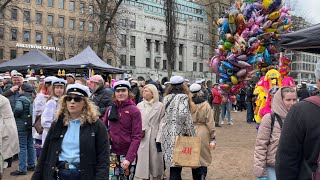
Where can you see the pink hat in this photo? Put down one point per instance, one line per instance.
(96, 79)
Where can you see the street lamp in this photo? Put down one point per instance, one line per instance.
(157, 65)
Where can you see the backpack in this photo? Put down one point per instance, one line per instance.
(275, 116)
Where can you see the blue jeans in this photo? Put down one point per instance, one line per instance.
(27, 152)
(271, 173)
(225, 111)
(249, 112)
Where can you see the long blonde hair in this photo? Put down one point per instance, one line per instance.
(90, 113)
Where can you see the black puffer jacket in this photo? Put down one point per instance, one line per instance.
(94, 151)
(22, 110)
(102, 98)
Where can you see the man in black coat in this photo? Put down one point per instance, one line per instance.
(100, 96)
(303, 92)
(299, 145)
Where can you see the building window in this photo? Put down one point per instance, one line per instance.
(1, 32)
(25, 52)
(123, 60)
(201, 67)
(123, 40)
(201, 51)
(71, 6)
(61, 22)
(132, 24)
(38, 37)
(71, 24)
(13, 54)
(71, 41)
(180, 66)
(195, 51)
(61, 4)
(195, 36)
(26, 16)
(26, 36)
(90, 27)
(91, 11)
(157, 45)
(50, 20)
(109, 61)
(148, 65)
(60, 57)
(39, 2)
(71, 55)
(148, 44)
(38, 18)
(109, 48)
(164, 64)
(50, 54)
(14, 14)
(165, 47)
(180, 49)
(123, 22)
(50, 39)
(194, 66)
(1, 14)
(156, 64)
(81, 25)
(132, 42)
(27, 1)
(1, 54)
(132, 61)
(201, 37)
(61, 41)
(82, 8)
(14, 33)
(50, 3)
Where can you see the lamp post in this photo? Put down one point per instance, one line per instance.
(157, 64)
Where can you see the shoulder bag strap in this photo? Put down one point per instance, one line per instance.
(278, 119)
(168, 103)
(272, 122)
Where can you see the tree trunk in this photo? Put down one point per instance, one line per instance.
(171, 34)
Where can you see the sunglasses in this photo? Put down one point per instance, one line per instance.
(75, 98)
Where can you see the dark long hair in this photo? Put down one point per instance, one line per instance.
(177, 89)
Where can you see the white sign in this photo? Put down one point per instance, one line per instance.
(35, 46)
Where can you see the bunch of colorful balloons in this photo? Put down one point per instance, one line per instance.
(248, 37)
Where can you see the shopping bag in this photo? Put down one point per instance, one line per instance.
(187, 151)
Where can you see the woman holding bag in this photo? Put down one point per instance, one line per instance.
(202, 115)
(150, 161)
(177, 121)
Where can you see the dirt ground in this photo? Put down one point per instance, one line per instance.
(232, 158)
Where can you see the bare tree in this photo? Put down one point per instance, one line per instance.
(171, 25)
(3, 4)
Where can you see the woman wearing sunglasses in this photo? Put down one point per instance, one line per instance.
(76, 146)
(51, 106)
(269, 133)
(125, 129)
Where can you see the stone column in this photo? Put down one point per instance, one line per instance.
(152, 53)
(161, 56)
(184, 58)
(177, 58)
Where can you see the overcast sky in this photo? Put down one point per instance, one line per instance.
(309, 9)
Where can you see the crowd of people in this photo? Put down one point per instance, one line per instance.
(76, 128)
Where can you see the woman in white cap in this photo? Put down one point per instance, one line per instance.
(203, 120)
(150, 160)
(125, 129)
(176, 121)
(50, 108)
(77, 145)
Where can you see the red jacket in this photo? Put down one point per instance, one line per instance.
(216, 96)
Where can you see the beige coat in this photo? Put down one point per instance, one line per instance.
(150, 162)
(267, 143)
(203, 121)
(9, 141)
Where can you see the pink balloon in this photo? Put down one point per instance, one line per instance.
(267, 24)
(259, 20)
(288, 81)
(215, 63)
(241, 72)
(236, 89)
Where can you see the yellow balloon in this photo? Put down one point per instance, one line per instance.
(274, 15)
(271, 30)
(267, 3)
(234, 80)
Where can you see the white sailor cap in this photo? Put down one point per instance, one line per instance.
(122, 84)
(28, 75)
(176, 80)
(49, 79)
(303, 82)
(6, 77)
(167, 83)
(186, 80)
(1, 78)
(71, 75)
(32, 79)
(78, 89)
(15, 73)
(195, 88)
(42, 77)
(58, 81)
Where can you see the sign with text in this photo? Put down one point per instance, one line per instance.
(36, 46)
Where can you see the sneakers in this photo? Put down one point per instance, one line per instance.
(222, 123)
(231, 123)
(31, 168)
(18, 173)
